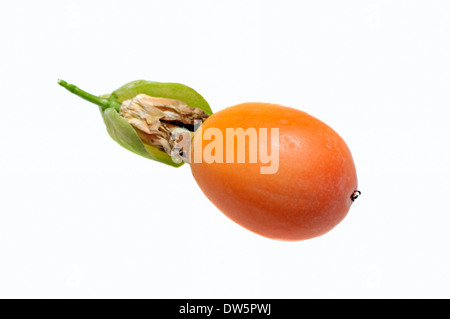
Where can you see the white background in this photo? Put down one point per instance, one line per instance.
(80, 217)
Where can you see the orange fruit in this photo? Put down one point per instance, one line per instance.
(309, 193)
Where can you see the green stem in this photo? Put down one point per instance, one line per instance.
(104, 103)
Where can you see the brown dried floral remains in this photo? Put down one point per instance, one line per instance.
(155, 118)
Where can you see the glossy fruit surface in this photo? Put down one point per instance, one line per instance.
(309, 194)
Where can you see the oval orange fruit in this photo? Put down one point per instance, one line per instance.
(304, 195)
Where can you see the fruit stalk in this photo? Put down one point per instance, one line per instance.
(104, 103)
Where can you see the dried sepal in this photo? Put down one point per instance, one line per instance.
(155, 119)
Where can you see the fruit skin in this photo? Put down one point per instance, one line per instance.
(308, 195)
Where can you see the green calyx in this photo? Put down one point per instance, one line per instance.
(121, 130)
